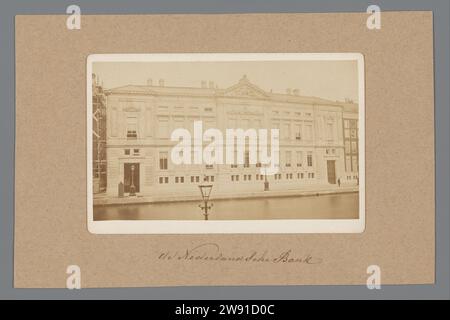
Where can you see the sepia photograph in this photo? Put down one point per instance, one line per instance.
(225, 143)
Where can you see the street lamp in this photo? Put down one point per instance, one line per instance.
(205, 190)
(132, 187)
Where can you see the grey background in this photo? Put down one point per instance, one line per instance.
(441, 11)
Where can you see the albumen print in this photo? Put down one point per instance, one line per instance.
(225, 143)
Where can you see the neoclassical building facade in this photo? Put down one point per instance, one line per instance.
(318, 143)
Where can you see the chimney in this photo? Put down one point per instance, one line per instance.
(149, 82)
(288, 91)
(211, 84)
(203, 84)
(295, 91)
(161, 82)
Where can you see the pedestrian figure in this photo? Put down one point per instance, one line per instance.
(339, 182)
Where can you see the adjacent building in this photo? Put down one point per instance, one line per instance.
(317, 139)
(98, 136)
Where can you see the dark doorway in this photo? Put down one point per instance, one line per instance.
(331, 170)
(131, 175)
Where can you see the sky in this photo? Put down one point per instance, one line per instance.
(333, 80)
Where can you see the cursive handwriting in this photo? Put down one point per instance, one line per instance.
(213, 252)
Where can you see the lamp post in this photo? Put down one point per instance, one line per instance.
(205, 190)
(132, 187)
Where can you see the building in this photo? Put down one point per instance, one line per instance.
(98, 136)
(351, 143)
(140, 119)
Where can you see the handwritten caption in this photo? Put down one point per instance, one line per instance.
(210, 252)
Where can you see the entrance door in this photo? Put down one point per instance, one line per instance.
(131, 176)
(331, 170)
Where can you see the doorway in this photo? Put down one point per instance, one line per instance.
(331, 171)
(131, 176)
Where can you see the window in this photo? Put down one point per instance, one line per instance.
(179, 179)
(329, 131)
(208, 109)
(208, 178)
(178, 122)
(131, 128)
(286, 131)
(347, 146)
(235, 177)
(299, 158)
(276, 125)
(234, 165)
(163, 180)
(127, 152)
(163, 161)
(308, 132)
(195, 179)
(209, 166)
(354, 147)
(309, 159)
(247, 159)
(136, 152)
(163, 127)
(288, 158)
(232, 123)
(298, 132)
(354, 163)
(348, 164)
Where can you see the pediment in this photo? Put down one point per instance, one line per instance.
(245, 89)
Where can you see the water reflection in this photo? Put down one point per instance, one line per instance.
(336, 206)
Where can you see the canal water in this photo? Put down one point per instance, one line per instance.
(335, 206)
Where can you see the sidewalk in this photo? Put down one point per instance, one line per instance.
(103, 199)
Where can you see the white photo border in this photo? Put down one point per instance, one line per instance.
(281, 226)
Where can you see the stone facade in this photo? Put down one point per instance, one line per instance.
(140, 120)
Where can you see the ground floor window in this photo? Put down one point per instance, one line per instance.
(179, 179)
(163, 180)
